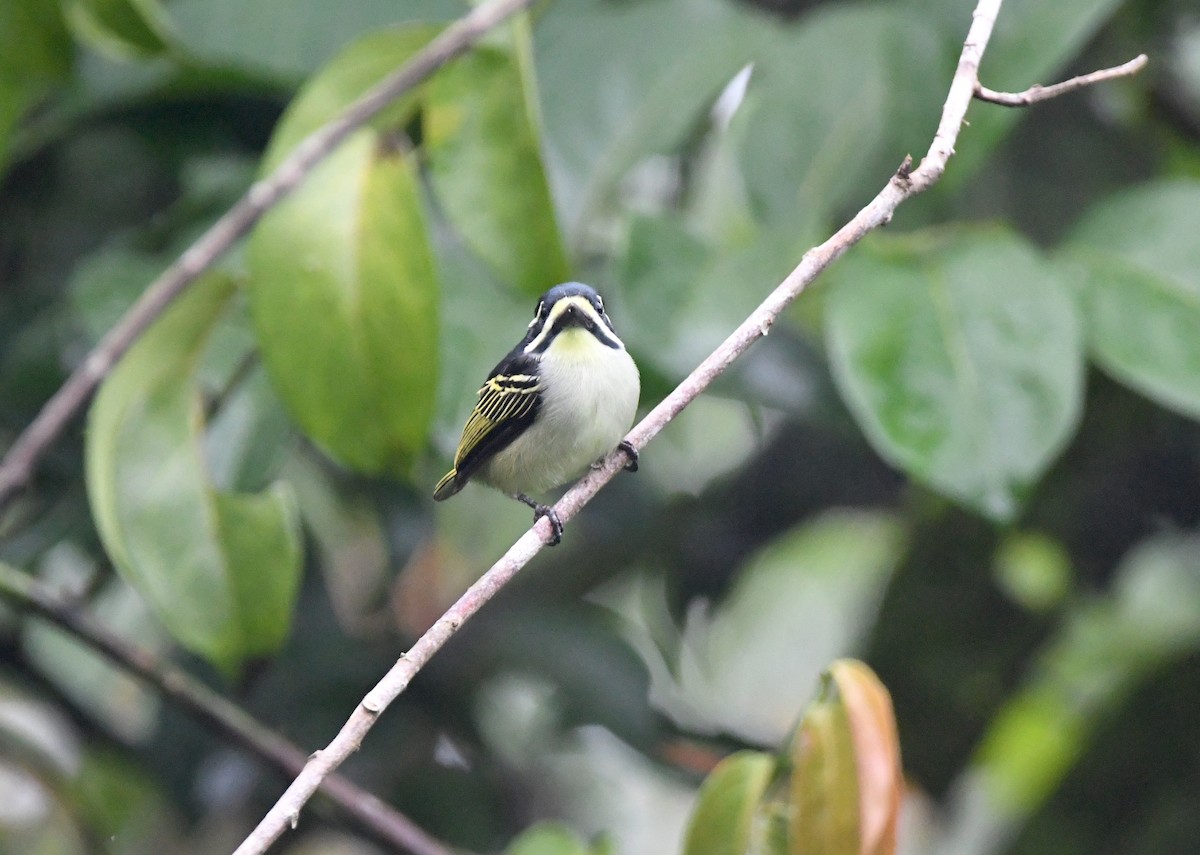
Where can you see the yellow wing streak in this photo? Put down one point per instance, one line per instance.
(501, 398)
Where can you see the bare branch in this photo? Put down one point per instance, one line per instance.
(383, 822)
(25, 453)
(1043, 93)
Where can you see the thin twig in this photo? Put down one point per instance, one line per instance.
(22, 458)
(1037, 93)
(383, 822)
(904, 184)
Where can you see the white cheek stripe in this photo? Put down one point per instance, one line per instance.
(602, 332)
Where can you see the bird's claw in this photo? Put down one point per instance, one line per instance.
(539, 511)
(556, 524)
(631, 453)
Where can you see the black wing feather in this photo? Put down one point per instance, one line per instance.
(509, 402)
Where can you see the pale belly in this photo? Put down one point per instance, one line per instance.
(586, 411)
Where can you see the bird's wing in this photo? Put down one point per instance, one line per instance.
(508, 403)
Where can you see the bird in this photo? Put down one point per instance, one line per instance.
(561, 400)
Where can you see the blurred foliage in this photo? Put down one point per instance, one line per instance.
(969, 457)
(835, 787)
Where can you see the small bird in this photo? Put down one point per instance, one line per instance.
(560, 401)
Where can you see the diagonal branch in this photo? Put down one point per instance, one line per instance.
(1037, 92)
(22, 458)
(383, 822)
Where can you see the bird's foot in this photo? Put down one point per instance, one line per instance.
(539, 511)
(631, 453)
(556, 525)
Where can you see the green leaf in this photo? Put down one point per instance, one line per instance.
(482, 140)
(344, 299)
(1140, 287)
(960, 356)
(815, 116)
(343, 289)
(120, 29)
(723, 821)
(219, 570)
(609, 102)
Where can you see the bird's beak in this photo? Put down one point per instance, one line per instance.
(582, 318)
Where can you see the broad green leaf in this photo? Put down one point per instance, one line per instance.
(609, 102)
(344, 298)
(1140, 287)
(343, 289)
(815, 117)
(824, 785)
(121, 29)
(960, 356)
(481, 136)
(723, 821)
(290, 39)
(246, 438)
(219, 570)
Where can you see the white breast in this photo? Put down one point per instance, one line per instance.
(590, 395)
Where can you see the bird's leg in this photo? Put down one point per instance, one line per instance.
(539, 511)
(631, 453)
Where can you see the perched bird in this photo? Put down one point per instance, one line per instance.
(560, 401)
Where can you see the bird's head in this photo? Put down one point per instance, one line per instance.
(568, 306)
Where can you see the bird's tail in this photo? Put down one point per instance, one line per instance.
(447, 487)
